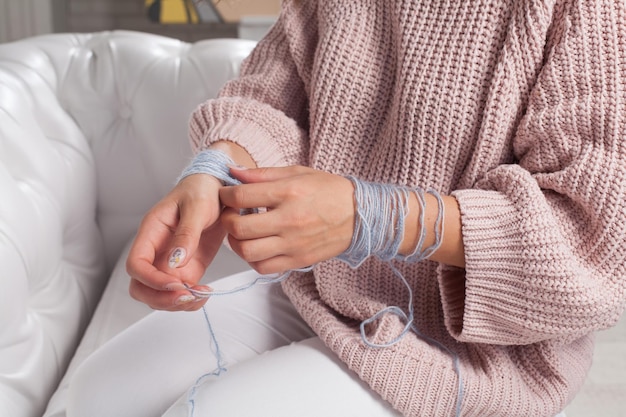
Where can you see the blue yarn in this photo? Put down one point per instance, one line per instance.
(381, 212)
(215, 347)
(211, 162)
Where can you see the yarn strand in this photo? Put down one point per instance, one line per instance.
(381, 211)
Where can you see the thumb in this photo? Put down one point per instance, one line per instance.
(194, 218)
(265, 174)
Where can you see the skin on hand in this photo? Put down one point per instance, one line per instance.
(177, 240)
(309, 217)
(187, 220)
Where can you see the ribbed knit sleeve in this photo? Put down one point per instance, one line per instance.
(545, 238)
(265, 109)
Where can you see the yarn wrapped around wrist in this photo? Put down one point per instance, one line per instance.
(381, 213)
(380, 218)
(211, 162)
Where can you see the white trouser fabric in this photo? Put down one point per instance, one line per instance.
(275, 365)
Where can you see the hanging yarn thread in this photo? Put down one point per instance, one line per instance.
(381, 212)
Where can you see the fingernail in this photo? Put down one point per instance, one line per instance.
(184, 299)
(200, 292)
(178, 255)
(175, 286)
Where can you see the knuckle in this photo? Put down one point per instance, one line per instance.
(130, 268)
(234, 245)
(185, 231)
(132, 291)
(240, 231)
(293, 189)
(239, 195)
(247, 251)
(261, 267)
(151, 217)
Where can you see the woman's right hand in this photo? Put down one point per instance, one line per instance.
(176, 241)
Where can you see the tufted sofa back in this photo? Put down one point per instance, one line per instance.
(92, 133)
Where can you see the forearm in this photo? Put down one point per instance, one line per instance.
(451, 251)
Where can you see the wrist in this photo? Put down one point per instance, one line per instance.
(236, 152)
(395, 222)
(213, 162)
(451, 249)
(413, 224)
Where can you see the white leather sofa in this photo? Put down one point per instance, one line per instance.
(93, 131)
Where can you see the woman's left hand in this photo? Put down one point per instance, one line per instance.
(309, 217)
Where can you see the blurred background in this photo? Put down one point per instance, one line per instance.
(188, 20)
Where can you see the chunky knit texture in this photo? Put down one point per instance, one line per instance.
(517, 108)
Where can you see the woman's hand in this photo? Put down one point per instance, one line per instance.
(177, 240)
(309, 218)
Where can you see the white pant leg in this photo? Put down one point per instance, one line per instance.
(304, 379)
(143, 370)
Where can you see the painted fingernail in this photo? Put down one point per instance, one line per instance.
(178, 255)
(175, 286)
(184, 299)
(200, 292)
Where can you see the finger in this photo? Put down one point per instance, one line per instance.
(258, 249)
(250, 196)
(261, 187)
(265, 174)
(277, 265)
(142, 255)
(181, 300)
(200, 291)
(250, 226)
(194, 219)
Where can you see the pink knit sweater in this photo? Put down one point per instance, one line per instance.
(517, 108)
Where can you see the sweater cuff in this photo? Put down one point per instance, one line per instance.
(267, 134)
(488, 302)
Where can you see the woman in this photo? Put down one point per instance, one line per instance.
(509, 113)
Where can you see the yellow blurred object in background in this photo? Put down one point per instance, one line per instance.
(203, 11)
(172, 11)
